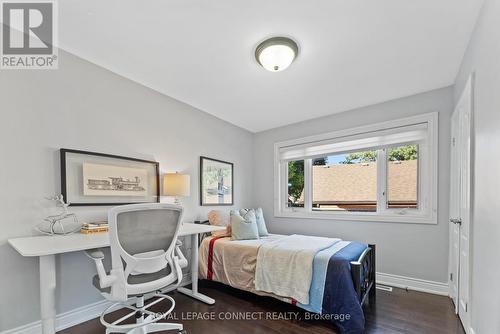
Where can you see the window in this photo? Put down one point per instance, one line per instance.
(382, 172)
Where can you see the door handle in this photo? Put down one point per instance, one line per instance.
(457, 221)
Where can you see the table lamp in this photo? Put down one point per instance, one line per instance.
(177, 185)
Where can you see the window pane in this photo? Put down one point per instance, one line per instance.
(402, 177)
(296, 183)
(345, 182)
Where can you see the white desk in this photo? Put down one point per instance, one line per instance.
(47, 247)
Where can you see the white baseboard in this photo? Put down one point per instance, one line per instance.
(64, 320)
(416, 284)
(74, 317)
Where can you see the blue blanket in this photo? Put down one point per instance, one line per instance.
(332, 292)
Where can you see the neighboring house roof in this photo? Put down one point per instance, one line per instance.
(403, 181)
(350, 183)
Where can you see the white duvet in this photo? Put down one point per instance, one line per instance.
(285, 266)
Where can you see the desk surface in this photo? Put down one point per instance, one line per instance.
(58, 244)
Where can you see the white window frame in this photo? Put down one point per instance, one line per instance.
(427, 177)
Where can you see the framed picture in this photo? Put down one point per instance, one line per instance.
(216, 182)
(89, 178)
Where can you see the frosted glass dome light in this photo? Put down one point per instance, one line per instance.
(277, 53)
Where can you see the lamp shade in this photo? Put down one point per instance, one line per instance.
(175, 184)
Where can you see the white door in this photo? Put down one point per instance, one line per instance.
(454, 210)
(460, 204)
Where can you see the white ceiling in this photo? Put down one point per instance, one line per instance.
(352, 53)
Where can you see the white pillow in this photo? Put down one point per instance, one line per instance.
(220, 218)
(261, 223)
(244, 227)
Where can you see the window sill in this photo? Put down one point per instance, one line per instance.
(368, 217)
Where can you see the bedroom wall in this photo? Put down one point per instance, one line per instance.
(410, 250)
(482, 59)
(83, 106)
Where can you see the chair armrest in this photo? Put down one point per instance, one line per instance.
(181, 258)
(97, 255)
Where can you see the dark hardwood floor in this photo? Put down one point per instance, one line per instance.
(398, 311)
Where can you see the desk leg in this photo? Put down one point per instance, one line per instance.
(193, 292)
(48, 293)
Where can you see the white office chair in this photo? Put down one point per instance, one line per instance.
(146, 259)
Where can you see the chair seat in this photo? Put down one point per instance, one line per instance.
(134, 279)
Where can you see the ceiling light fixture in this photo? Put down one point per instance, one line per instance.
(277, 53)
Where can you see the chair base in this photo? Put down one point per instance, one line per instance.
(146, 321)
(150, 328)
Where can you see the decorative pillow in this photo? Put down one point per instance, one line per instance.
(244, 227)
(261, 223)
(220, 218)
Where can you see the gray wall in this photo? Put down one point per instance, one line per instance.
(412, 250)
(483, 58)
(83, 106)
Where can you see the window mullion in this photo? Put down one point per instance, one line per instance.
(381, 180)
(308, 185)
(424, 179)
(284, 185)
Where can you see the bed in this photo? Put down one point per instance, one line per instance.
(343, 276)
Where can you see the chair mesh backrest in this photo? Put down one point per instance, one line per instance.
(147, 230)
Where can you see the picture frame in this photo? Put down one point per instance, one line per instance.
(99, 179)
(216, 182)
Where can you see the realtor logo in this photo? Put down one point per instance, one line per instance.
(28, 35)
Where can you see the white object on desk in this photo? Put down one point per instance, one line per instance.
(47, 247)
